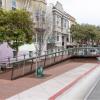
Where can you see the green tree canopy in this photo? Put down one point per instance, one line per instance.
(16, 27)
(3, 24)
(85, 33)
(77, 33)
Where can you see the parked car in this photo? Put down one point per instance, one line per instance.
(93, 52)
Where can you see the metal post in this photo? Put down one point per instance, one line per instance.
(45, 59)
(12, 73)
(36, 63)
(55, 58)
(24, 64)
(9, 61)
(31, 65)
(36, 55)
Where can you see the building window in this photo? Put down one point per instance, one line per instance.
(57, 37)
(43, 16)
(67, 38)
(58, 49)
(62, 38)
(62, 43)
(37, 14)
(64, 23)
(67, 23)
(0, 3)
(13, 4)
(34, 39)
(58, 21)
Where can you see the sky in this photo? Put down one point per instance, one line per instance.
(84, 11)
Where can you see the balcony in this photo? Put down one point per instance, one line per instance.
(39, 26)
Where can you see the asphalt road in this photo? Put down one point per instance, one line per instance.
(95, 93)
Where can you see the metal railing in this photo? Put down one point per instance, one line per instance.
(19, 67)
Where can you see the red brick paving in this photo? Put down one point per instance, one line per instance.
(9, 88)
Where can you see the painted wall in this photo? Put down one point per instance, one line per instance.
(5, 51)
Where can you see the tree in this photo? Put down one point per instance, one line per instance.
(84, 33)
(17, 28)
(89, 32)
(3, 24)
(77, 33)
(97, 31)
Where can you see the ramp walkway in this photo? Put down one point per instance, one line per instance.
(94, 93)
(24, 65)
(54, 89)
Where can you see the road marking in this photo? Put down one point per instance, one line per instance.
(71, 84)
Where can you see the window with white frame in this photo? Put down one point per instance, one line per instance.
(13, 4)
(65, 23)
(58, 21)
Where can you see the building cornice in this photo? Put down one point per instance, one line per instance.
(58, 11)
(42, 1)
(63, 13)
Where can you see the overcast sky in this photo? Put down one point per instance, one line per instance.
(85, 11)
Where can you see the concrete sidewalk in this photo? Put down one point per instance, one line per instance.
(80, 90)
(94, 93)
(53, 88)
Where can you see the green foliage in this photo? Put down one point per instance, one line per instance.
(3, 24)
(77, 31)
(16, 27)
(85, 33)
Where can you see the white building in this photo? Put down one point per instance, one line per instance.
(60, 28)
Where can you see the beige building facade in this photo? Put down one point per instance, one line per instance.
(36, 7)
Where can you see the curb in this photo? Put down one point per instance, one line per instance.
(91, 90)
(60, 92)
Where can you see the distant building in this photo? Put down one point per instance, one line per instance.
(61, 22)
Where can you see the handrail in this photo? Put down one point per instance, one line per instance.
(76, 51)
(27, 65)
